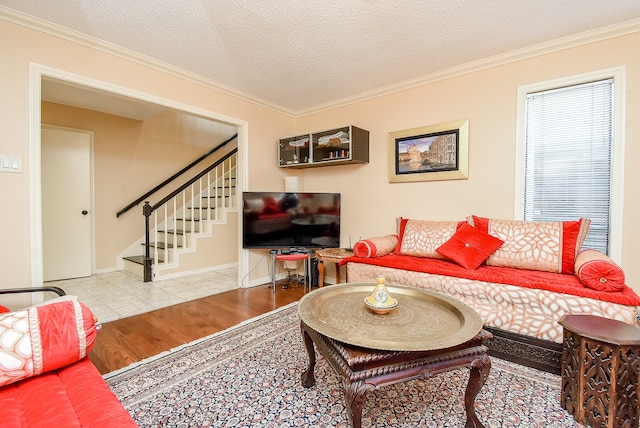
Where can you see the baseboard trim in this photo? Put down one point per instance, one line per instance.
(525, 350)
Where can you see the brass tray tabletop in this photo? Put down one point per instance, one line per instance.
(422, 321)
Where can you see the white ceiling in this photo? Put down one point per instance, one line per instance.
(302, 55)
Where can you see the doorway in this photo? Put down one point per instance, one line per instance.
(119, 98)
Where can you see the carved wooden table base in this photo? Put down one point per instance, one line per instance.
(600, 371)
(363, 370)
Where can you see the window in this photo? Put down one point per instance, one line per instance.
(567, 167)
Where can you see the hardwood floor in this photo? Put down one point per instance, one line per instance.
(128, 340)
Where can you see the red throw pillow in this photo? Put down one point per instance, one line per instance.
(270, 205)
(469, 247)
(596, 270)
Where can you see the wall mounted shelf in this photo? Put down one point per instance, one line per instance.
(339, 146)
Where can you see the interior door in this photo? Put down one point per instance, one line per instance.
(66, 203)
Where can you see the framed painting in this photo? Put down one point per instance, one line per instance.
(430, 153)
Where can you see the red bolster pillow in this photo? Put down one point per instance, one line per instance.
(596, 270)
(44, 338)
(375, 247)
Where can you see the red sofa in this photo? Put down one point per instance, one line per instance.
(521, 277)
(46, 378)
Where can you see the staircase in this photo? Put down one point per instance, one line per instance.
(184, 229)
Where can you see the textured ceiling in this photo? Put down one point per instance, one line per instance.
(302, 55)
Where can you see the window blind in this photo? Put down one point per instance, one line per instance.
(569, 138)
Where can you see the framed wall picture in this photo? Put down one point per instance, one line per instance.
(430, 153)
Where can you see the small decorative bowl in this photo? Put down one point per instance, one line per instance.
(378, 308)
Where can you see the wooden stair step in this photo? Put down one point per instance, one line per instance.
(163, 245)
(177, 232)
(139, 259)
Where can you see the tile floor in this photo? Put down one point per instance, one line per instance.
(116, 295)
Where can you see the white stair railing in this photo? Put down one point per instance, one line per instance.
(176, 220)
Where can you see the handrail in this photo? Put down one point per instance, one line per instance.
(148, 210)
(174, 176)
(176, 192)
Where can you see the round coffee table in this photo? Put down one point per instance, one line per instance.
(428, 333)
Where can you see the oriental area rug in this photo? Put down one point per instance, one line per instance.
(249, 376)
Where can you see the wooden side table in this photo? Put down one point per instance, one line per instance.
(600, 371)
(331, 255)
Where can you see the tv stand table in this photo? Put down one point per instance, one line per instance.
(291, 255)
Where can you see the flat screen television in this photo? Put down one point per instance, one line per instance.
(290, 220)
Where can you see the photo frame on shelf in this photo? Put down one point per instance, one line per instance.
(430, 153)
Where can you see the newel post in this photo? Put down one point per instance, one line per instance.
(148, 270)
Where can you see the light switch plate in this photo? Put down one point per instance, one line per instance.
(10, 163)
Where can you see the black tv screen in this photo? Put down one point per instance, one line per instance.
(290, 220)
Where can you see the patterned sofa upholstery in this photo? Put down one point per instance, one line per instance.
(521, 277)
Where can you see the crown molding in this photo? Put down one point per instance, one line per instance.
(112, 49)
(604, 33)
(600, 34)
